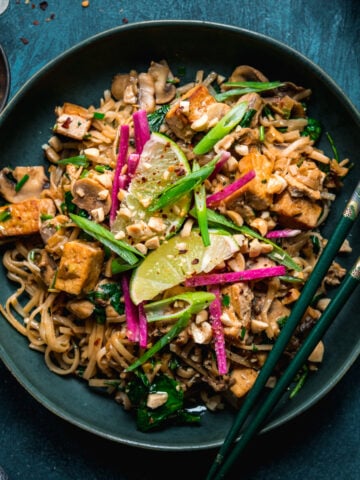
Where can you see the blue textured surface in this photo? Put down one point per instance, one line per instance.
(323, 442)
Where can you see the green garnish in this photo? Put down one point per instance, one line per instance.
(200, 205)
(300, 380)
(183, 186)
(313, 129)
(262, 133)
(246, 87)
(225, 300)
(333, 147)
(104, 236)
(165, 310)
(222, 128)
(102, 168)
(21, 182)
(99, 115)
(5, 215)
(156, 119)
(172, 411)
(174, 331)
(46, 216)
(111, 292)
(246, 121)
(78, 161)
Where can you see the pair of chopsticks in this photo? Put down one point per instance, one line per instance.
(231, 450)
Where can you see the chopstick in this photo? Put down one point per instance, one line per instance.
(343, 226)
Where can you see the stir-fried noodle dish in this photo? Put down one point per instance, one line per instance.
(159, 253)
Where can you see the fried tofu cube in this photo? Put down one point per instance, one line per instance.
(256, 193)
(73, 121)
(244, 379)
(23, 218)
(299, 212)
(80, 267)
(195, 111)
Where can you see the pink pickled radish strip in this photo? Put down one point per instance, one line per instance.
(141, 130)
(229, 277)
(221, 162)
(219, 340)
(143, 334)
(121, 162)
(230, 189)
(131, 312)
(285, 233)
(133, 160)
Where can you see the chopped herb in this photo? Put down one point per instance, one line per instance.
(21, 183)
(333, 147)
(313, 129)
(281, 321)
(79, 161)
(225, 300)
(315, 243)
(242, 333)
(156, 119)
(5, 215)
(262, 133)
(45, 216)
(300, 378)
(99, 115)
(102, 168)
(246, 121)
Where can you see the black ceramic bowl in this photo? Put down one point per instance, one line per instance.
(4, 78)
(81, 75)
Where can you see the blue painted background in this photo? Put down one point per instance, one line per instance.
(321, 444)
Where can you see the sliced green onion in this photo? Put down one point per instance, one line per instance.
(163, 310)
(333, 147)
(99, 115)
(245, 122)
(300, 379)
(177, 328)
(46, 216)
(183, 186)
(78, 161)
(277, 254)
(102, 168)
(119, 266)
(200, 205)
(246, 87)
(21, 182)
(104, 236)
(5, 215)
(262, 133)
(222, 128)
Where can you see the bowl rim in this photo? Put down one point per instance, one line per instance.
(337, 91)
(6, 92)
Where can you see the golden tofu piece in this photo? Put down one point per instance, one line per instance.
(72, 121)
(244, 379)
(23, 218)
(192, 106)
(80, 267)
(299, 212)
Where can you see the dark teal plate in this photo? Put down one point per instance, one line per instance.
(4, 78)
(81, 75)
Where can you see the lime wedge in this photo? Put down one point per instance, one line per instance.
(177, 259)
(161, 163)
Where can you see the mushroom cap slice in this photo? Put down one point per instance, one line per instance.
(90, 195)
(31, 188)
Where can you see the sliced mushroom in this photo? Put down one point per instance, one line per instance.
(146, 92)
(164, 91)
(90, 195)
(245, 73)
(22, 183)
(124, 87)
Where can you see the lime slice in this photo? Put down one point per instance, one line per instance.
(177, 259)
(161, 163)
